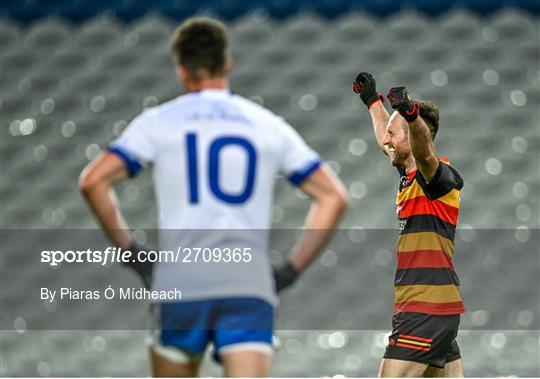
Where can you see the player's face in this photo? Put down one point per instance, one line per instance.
(396, 140)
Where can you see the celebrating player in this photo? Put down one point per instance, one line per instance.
(215, 158)
(427, 299)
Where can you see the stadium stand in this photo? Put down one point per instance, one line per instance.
(128, 10)
(68, 89)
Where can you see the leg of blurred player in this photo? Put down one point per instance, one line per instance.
(165, 368)
(246, 364)
(452, 369)
(401, 369)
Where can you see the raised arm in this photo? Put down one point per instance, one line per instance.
(420, 138)
(330, 201)
(365, 86)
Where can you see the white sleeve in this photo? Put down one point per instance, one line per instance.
(298, 160)
(135, 146)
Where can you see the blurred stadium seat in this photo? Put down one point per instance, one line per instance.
(91, 73)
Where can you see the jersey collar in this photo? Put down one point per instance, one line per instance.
(412, 173)
(214, 92)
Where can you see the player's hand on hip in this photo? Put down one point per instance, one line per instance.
(284, 276)
(142, 267)
(365, 86)
(401, 101)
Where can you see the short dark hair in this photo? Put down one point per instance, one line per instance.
(430, 114)
(200, 45)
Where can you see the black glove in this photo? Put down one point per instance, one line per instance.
(143, 269)
(401, 101)
(365, 86)
(284, 276)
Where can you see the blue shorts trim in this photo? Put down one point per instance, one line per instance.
(191, 326)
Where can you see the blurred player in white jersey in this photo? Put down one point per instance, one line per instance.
(215, 158)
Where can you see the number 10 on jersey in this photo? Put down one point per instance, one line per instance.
(213, 170)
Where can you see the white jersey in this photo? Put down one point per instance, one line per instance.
(215, 158)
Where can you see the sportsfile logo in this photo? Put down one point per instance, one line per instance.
(180, 255)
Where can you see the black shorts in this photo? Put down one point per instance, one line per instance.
(424, 338)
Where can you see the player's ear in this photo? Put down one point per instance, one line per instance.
(229, 65)
(185, 77)
(182, 72)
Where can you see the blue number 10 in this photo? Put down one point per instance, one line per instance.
(213, 169)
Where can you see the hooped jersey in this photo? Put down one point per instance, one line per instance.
(215, 157)
(427, 212)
